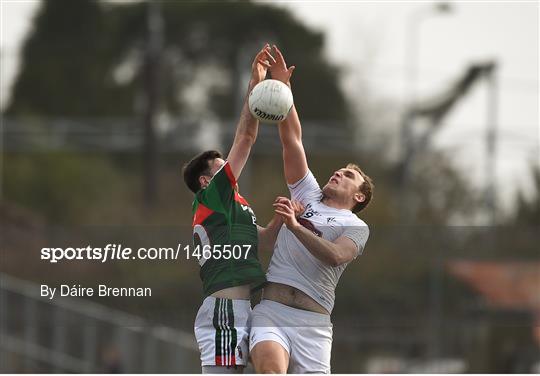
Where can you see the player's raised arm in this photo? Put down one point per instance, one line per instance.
(290, 131)
(247, 128)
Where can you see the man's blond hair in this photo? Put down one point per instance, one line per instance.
(366, 188)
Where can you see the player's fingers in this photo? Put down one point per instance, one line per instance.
(288, 203)
(278, 54)
(283, 214)
(281, 199)
(262, 53)
(269, 56)
(264, 63)
(283, 207)
(291, 70)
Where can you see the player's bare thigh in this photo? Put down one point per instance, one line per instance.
(269, 357)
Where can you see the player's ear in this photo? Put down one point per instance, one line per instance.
(359, 197)
(203, 181)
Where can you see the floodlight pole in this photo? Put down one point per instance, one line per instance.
(408, 152)
(152, 67)
(412, 53)
(491, 145)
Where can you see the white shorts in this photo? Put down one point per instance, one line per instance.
(222, 331)
(307, 336)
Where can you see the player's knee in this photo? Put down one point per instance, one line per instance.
(269, 366)
(269, 357)
(268, 363)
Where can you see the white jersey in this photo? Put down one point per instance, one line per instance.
(292, 264)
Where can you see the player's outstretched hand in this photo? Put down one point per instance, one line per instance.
(296, 205)
(261, 63)
(278, 67)
(284, 207)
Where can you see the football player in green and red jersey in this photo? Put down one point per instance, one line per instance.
(227, 238)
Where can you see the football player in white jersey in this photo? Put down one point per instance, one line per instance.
(291, 327)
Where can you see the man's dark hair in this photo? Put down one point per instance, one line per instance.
(197, 167)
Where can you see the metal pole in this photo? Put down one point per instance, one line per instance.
(412, 53)
(2, 119)
(409, 98)
(152, 90)
(435, 302)
(491, 145)
(408, 148)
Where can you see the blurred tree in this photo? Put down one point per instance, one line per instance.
(440, 193)
(83, 58)
(64, 63)
(61, 186)
(528, 211)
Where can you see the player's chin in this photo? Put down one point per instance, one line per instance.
(328, 190)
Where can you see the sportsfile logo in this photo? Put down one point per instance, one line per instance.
(117, 252)
(266, 116)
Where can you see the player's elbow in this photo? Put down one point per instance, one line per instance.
(245, 140)
(338, 258)
(334, 263)
(334, 260)
(292, 142)
(249, 137)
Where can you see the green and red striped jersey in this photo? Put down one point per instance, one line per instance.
(225, 236)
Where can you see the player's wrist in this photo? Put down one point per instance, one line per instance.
(253, 82)
(294, 226)
(278, 220)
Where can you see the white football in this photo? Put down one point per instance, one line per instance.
(270, 101)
